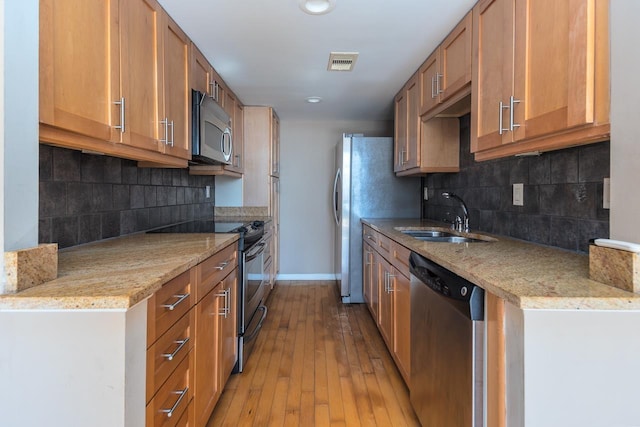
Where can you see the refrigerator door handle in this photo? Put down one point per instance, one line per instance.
(336, 181)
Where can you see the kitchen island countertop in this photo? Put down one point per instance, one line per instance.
(117, 273)
(528, 275)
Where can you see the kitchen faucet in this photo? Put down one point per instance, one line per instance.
(459, 224)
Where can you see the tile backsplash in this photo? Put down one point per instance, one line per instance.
(85, 197)
(563, 194)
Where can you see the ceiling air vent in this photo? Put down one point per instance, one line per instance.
(342, 61)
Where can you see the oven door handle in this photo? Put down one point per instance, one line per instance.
(253, 333)
(260, 249)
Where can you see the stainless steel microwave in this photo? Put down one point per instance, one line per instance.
(211, 131)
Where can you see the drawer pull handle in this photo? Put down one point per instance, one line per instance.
(181, 343)
(182, 394)
(222, 265)
(172, 307)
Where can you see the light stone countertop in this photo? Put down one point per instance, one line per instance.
(117, 273)
(528, 275)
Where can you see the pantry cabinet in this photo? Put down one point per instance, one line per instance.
(261, 182)
(540, 75)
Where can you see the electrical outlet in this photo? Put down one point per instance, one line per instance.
(426, 193)
(207, 191)
(606, 194)
(518, 194)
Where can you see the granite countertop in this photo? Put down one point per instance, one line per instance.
(528, 275)
(117, 273)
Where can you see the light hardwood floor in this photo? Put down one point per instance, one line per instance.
(316, 362)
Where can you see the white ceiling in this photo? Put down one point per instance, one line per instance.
(271, 53)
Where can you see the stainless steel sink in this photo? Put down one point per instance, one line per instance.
(419, 234)
(442, 236)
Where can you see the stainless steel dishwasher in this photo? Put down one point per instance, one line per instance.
(447, 324)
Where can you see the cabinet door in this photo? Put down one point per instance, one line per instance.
(207, 349)
(274, 211)
(201, 71)
(275, 144)
(554, 66)
(428, 72)
(400, 148)
(177, 94)
(402, 322)
(412, 158)
(385, 319)
(141, 73)
(455, 60)
(492, 82)
(228, 327)
(238, 137)
(79, 66)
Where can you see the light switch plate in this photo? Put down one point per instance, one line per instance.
(207, 191)
(426, 193)
(606, 194)
(518, 194)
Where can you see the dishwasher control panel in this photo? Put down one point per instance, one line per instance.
(446, 283)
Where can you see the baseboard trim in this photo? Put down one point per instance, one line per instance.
(305, 277)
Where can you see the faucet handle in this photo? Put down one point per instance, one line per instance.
(457, 224)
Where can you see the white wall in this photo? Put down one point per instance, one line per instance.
(20, 124)
(228, 191)
(625, 105)
(306, 179)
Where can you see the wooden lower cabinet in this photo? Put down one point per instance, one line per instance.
(402, 323)
(216, 349)
(387, 293)
(495, 360)
(192, 342)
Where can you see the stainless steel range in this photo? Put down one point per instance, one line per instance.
(251, 247)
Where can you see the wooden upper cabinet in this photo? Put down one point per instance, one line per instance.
(238, 138)
(447, 71)
(428, 72)
(400, 140)
(141, 68)
(201, 71)
(412, 157)
(492, 82)
(176, 134)
(540, 76)
(78, 68)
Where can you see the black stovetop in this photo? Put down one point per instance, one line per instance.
(250, 232)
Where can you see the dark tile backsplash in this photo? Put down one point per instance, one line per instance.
(563, 193)
(86, 197)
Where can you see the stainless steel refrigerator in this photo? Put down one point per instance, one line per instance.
(365, 187)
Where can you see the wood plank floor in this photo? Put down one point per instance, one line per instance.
(316, 362)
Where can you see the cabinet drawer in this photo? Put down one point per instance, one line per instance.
(213, 270)
(370, 235)
(171, 401)
(399, 257)
(384, 246)
(168, 351)
(188, 418)
(168, 305)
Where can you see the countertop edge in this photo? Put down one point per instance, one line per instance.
(611, 299)
(43, 297)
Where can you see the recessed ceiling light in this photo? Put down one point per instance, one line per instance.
(317, 7)
(313, 99)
